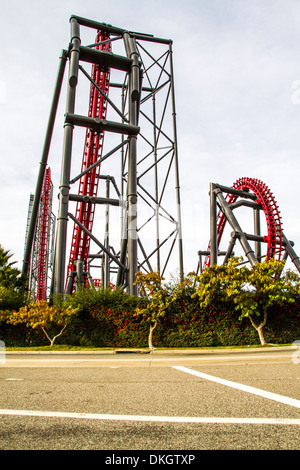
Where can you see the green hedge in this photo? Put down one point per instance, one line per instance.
(108, 319)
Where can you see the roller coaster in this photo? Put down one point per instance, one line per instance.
(254, 194)
(130, 146)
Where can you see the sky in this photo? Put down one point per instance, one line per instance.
(237, 88)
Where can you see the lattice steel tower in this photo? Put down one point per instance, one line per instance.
(130, 147)
(41, 262)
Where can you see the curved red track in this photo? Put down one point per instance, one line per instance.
(93, 148)
(265, 198)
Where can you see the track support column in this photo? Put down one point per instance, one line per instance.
(256, 214)
(43, 163)
(64, 189)
(177, 183)
(213, 225)
(134, 96)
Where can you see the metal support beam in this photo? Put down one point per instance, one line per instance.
(134, 94)
(177, 183)
(106, 277)
(105, 59)
(100, 125)
(244, 203)
(213, 225)
(230, 247)
(291, 252)
(79, 273)
(103, 94)
(257, 231)
(237, 192)
(62, 220)
(95, 240)
(95, 199)
(160, 245)
(98, 162)
(118, 31)
(236, 227)
(43, 163)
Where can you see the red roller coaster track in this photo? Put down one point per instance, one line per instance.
(265, 198)
(43, 237)
(88, 185)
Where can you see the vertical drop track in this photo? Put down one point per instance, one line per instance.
(43, 237)
(93, 148)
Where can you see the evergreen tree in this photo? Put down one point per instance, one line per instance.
(12, 284)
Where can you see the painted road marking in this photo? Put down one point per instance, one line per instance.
(161, 419)
(244, 388)
(13, 379)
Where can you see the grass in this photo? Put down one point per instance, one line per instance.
(57, 347)
(65, 347)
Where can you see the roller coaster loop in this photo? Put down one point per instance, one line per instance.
(265, 199)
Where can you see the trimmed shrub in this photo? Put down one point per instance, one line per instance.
(107, 318)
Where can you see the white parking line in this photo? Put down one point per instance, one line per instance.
(13, 379)
(244, 388)
(160, 419)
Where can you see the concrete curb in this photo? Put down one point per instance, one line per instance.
(157, 351)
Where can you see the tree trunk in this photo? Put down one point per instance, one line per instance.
(259, 328)
(54, 338)
(150, 337)
(261, 335)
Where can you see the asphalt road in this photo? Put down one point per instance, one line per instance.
(239, 400)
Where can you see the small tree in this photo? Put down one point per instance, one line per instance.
(43, 316)
(253, 290)
(157, 300)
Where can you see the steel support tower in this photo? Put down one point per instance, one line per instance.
(130, 147)
(41, 263)
(267, 240)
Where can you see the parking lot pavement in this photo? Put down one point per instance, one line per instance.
(134, 401)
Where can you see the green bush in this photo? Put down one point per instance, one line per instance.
(107, 318)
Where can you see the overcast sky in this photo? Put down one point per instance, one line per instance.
(237, 79)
